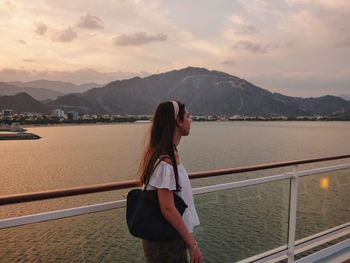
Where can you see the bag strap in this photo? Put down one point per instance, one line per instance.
(161, 158)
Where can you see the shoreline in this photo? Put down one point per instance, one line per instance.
(129, 123)
(76, 124)
(19, 136)
(24, 126)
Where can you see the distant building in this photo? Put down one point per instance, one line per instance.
(28, 114)
(73, 116)
(58, 113)
(7, 112)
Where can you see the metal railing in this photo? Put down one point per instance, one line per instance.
(44, 195)
(285, 252)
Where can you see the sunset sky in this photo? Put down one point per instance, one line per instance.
(295, 47)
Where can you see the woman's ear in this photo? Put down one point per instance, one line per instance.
(179, 122)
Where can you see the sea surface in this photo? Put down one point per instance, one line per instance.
(235, 224)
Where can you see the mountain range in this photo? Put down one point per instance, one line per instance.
(204, 92)
(44, 89)
(37, 93)
(59, 86)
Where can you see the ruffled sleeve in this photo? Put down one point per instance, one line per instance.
(163, 177)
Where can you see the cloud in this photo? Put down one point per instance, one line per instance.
(65, 35)
(22, 41)
(344, 42)
(28, 60)
(250, 46)
(305, 84)
(320, 23)
(238, 25)
(10, 5)
(228, 62)
(245, 30)
(138, 39)
(11, 71)
(40, 29)
(90, 21)
(257, 47)
(84, 75)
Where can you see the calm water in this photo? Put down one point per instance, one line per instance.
(234, 224)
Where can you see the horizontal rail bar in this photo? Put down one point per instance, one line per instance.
(303, 242)
(44, 195)
(322, 254)
(58, 214)
(238, 184)
(35, 218)
(322, 237)
(323, 170)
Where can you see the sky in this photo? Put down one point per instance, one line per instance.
(294, 47)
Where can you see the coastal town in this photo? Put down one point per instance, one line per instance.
(59, 116)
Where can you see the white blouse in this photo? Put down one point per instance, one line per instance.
(164, 177)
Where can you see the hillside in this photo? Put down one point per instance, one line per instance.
(204, 92)
(23, 102)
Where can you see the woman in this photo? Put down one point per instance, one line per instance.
(162, 170)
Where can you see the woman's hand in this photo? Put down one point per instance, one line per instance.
(196, 254)
(169, 211)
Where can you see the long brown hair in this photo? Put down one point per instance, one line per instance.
(160, 141)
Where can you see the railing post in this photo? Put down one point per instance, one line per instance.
(292, 213)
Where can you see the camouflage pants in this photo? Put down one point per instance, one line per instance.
(165, 252)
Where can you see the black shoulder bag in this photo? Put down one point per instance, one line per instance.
(144, 217)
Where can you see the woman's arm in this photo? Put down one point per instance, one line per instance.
(169, 211)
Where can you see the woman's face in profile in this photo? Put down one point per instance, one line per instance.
(186, 124)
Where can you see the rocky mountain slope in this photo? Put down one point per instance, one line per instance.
(204, 92)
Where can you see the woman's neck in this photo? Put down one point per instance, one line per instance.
(177, 138)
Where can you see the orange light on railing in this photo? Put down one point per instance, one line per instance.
(324, 183)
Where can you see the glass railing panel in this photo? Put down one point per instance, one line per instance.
(323, 202)
(97, 237)
(235, 224)
(240, 223)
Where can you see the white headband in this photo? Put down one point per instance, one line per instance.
(176, 108)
